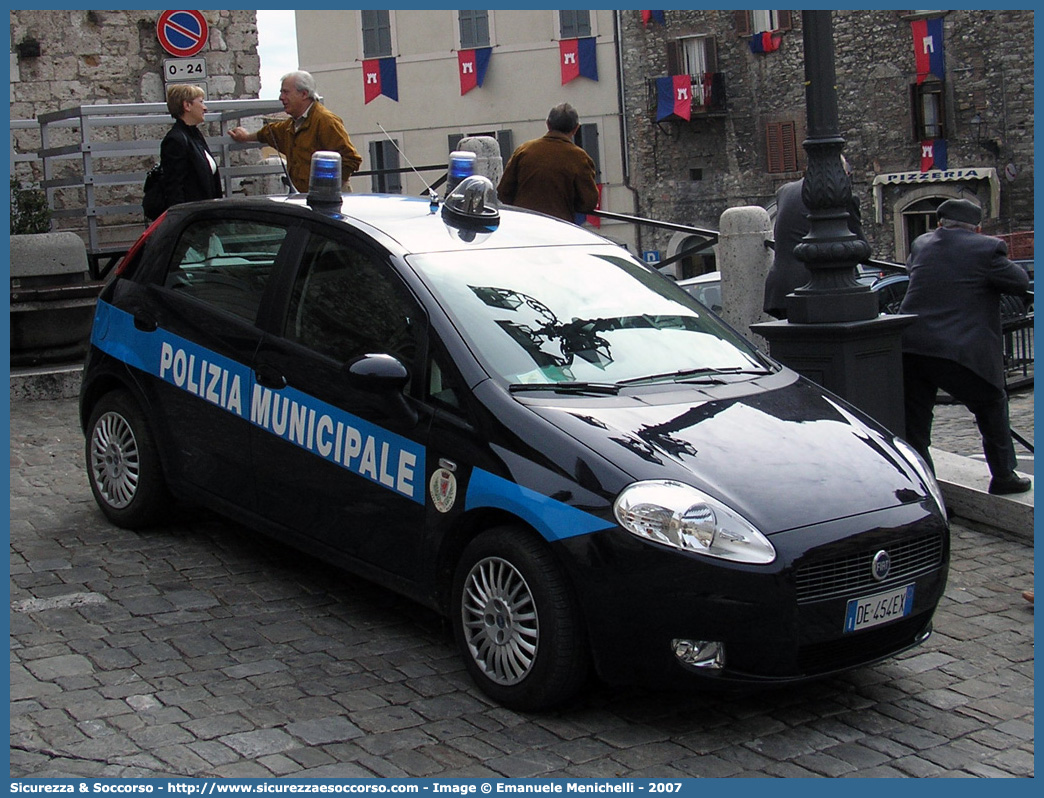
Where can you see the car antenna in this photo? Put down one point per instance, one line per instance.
(290, 188)
(432, 194)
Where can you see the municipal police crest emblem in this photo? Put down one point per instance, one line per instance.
(443, 489)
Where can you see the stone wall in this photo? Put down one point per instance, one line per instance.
(690, 172)
(113, 57)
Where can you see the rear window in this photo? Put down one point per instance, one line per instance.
(226, 263)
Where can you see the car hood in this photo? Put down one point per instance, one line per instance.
(784, 457)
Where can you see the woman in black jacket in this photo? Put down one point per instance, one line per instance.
(189, 170)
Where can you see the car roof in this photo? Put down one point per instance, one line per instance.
(415, 227)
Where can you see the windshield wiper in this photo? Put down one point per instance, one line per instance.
(566, 387)
(706, 375)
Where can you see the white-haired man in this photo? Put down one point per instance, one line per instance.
(310, 128)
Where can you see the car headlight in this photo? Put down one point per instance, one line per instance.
(923, 471)
(681, 516)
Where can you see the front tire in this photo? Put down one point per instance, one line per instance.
(123, 466)
(516, 622)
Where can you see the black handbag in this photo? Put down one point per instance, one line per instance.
(154, 202)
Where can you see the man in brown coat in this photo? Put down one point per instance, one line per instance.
(551, 174)
(310, 128)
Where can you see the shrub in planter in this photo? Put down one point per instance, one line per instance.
(29, 211)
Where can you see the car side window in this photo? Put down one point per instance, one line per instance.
(346, 302)
(226, 263)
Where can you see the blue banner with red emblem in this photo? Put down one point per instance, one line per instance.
(472, 66)
(380, 76)
(653, 16)
(577, 58)
(928, 48)
(674, 97)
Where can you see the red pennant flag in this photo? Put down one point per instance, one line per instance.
(472, 65)
(682, 85)
(577, 57)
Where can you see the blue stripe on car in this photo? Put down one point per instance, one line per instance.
(362, 448)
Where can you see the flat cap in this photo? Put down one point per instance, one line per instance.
(960, 210)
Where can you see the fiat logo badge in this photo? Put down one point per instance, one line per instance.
(881, 565)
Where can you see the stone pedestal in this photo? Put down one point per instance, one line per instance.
(860, 361)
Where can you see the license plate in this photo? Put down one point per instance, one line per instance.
(862, 613)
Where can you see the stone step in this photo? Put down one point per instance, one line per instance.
(965, 485)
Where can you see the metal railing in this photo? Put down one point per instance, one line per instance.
(82, 149)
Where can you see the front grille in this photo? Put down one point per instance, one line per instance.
(850, 573)
(860, 647)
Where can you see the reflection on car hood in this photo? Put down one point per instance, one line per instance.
(784, 458)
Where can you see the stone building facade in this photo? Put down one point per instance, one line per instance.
(740, 151)
(64, 59)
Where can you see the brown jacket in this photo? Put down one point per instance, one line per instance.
(551, 175)
(322, 130)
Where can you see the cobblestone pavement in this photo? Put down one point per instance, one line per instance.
(201, 650)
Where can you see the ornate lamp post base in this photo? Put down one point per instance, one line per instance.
(860, 361)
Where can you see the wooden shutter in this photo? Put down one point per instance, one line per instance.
(781, 147)
(783, 19)
(587, 140)
(674, 57)
(743, 22)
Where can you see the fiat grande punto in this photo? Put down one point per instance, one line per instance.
(513, 421)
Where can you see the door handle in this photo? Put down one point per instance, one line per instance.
(270, 378)
(145, 322)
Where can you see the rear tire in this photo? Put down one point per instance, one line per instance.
(123, 466)
(516, 622)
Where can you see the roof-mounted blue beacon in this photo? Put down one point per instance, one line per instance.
(461, 165)
(324, 183)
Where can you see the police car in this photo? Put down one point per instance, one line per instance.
(511, 420)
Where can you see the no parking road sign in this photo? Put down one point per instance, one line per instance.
(182, 33)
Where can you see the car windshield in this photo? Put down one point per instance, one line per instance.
(591, 316)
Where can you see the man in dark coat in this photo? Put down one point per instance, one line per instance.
(787, 272)
(957, 277)
(551, 174)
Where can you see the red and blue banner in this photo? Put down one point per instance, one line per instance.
(674, 97)
(577, 57)
(765, 42)
(653, 16)
(472, 66)
(928, 48)
(933, 154)
(380, 76)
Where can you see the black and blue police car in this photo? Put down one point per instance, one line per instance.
(513, 421)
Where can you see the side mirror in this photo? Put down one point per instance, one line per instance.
(377, 373)
(383, 375)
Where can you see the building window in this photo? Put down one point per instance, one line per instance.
(384, 155)
(781, 146)
(474, 29)
(692, 55)
(376, 31)
(574, 24)
(750, 22)
(929, 118)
